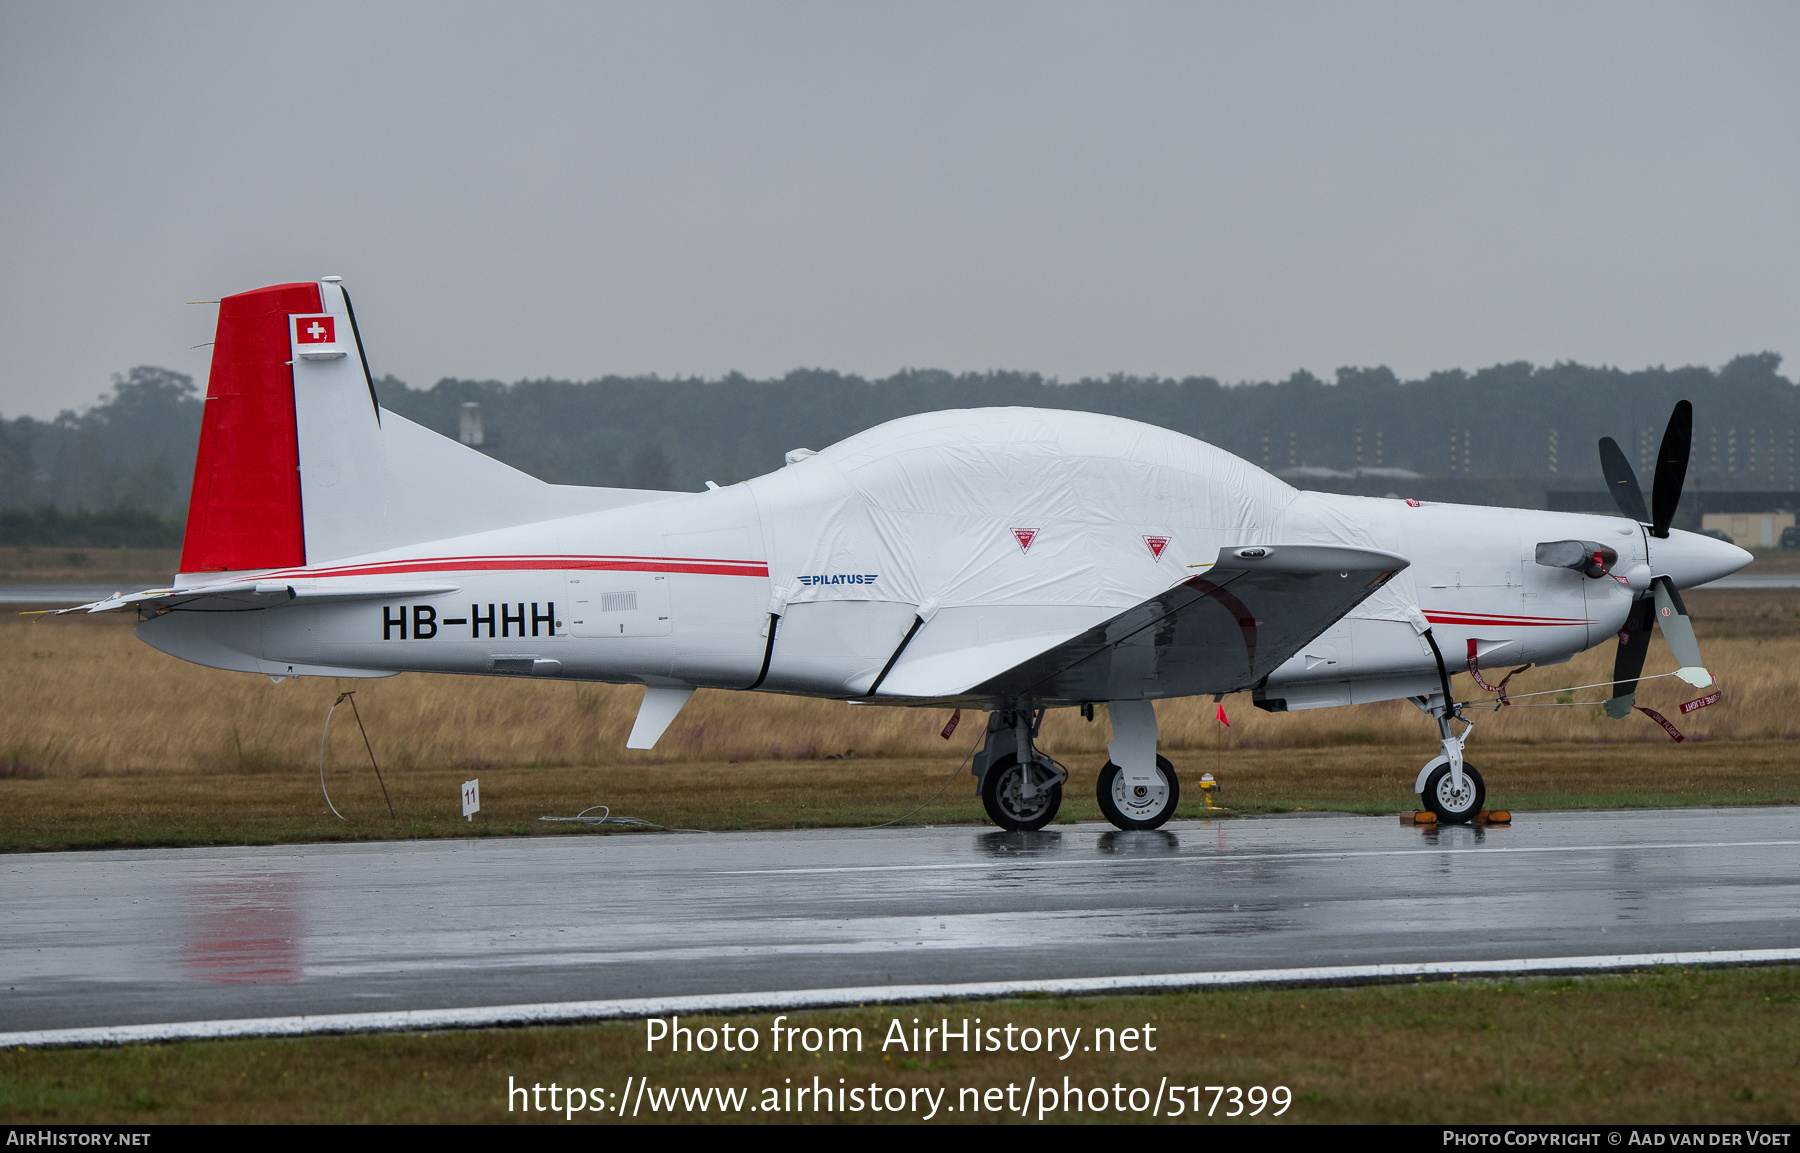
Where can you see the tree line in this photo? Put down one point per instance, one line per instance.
(134, 449)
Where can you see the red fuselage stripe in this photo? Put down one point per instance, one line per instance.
(1449, 618)
(540, 563)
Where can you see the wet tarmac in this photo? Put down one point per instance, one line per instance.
(138, 937)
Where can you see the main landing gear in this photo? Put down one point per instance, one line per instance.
(1138, 806)
(1021, 788)
(1448, 785)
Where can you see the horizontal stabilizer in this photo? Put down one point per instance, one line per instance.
(262, 594)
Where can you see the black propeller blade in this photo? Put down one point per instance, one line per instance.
(1622, 482)
(1671, 468)
(1663, 604)
(1634, 646)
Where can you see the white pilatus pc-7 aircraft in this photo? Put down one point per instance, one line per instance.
(1011, 560)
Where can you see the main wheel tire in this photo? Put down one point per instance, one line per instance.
(1453, 807)
(1002, 795)
(1141, 806)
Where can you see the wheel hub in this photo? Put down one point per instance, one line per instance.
(1139, 802)
(1453, 798)
(1012, 795)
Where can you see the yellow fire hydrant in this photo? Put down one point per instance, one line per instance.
(1208, 789)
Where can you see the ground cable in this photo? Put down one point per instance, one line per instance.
(606, 818)
(940, 792)
(351, 697)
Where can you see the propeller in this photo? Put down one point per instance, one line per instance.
(1665, 486)
(1662, 604)
(1671, 469)
(1622, 482)
(1634, 645)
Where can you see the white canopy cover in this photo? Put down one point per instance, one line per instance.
(1029, 507)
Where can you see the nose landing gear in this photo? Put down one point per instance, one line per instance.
(1448, 785)
(1454, 804)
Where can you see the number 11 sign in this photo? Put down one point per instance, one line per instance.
(471, 797)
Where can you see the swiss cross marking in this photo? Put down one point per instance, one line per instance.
(315, 330)
(1157, 545)
(1024, 536)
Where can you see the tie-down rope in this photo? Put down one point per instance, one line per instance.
(1570, 689)
(351, 697)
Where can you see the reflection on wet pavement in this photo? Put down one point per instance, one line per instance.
(109, 938)
(246, 929)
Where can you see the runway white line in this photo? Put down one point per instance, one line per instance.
(1321, 855)
(570, 1012)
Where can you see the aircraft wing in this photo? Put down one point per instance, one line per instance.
(1217, 632)
(258, 594)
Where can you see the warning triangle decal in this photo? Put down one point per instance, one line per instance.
(1024, 536)
(1157, 545)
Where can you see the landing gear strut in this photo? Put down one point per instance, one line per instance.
(1137, 789)
(1021, 789)
(1448, 785)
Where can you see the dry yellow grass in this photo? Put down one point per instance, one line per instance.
(115, 743)
(82, 694)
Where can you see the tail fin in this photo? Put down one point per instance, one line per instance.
(290, 461)
(244, 512)
(298, 464)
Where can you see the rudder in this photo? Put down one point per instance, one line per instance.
(244, 509)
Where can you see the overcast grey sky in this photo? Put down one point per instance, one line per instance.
(571, 190)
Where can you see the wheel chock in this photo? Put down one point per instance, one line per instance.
(1494, 817)
(1420, 818)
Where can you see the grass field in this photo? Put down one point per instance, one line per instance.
(130, 568)
(105, 741)
(1658, 1047)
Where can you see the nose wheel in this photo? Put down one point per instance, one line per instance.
(1139, 806)
(1453, 805)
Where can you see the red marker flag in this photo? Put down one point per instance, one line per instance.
(1221, 717)
(955, 717)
